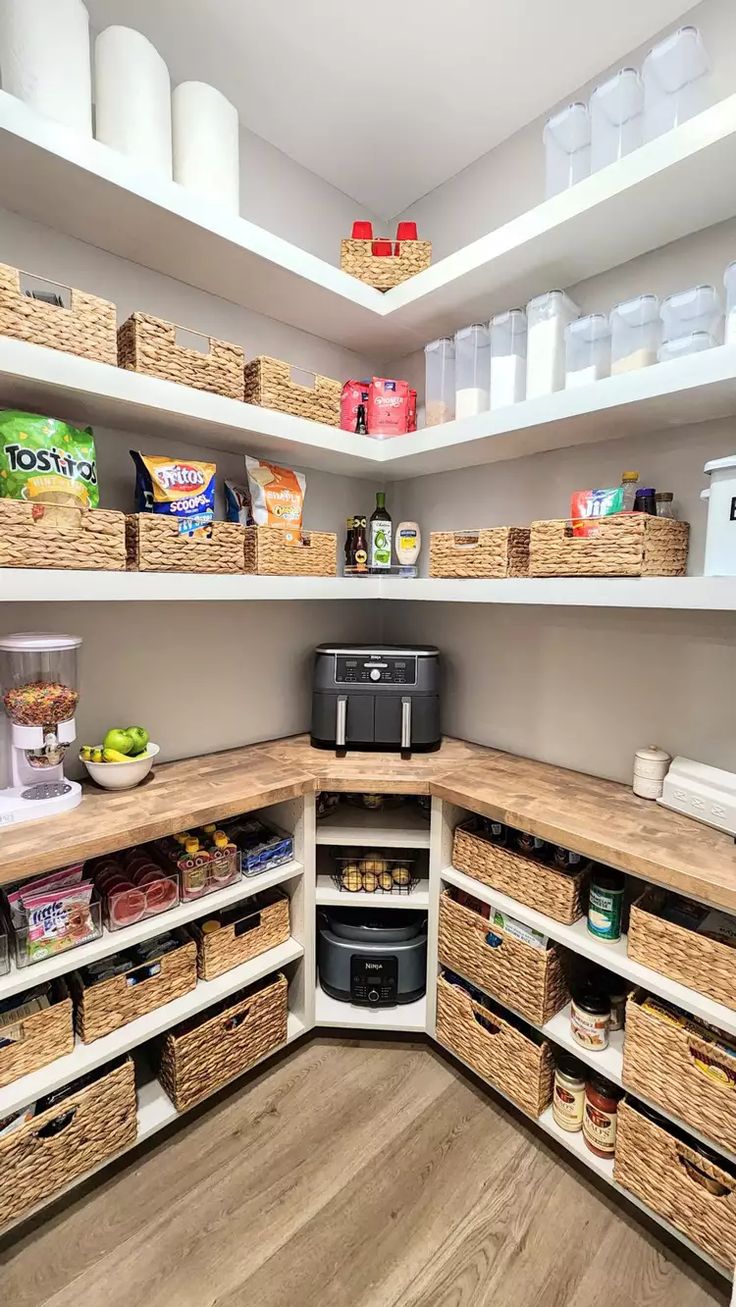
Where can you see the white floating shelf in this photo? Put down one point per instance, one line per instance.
(86, 1057)
(404, 827)
(114, 941)
(329, 894)
(409, 1017)
(675, 185)
(704, 593)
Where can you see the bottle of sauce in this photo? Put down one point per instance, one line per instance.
(568, 1094)
(646, 501)
(361, 428)
(379, 552)
(360, 545)
(349, 543)
(629, 483)
(407, 544)
(600, 1116)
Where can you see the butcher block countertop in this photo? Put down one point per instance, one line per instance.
(598, 818)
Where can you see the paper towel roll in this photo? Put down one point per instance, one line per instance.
(133, 98)
(45, 58)
(207, 144)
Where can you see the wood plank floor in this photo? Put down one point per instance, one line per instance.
(350, 1174)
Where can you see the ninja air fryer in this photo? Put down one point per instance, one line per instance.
(384, 698)
(372, 957)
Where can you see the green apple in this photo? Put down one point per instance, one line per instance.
(119, 740)
(139, 736)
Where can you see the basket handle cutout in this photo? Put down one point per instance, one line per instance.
(139, 975)
(185, 338)
(295, 373)
(14, 1034)
(493, 940)
(57, 1127)
(247, 924)
(466, 539)
(231, 1024)
(699, 1051)
(486, 1024)
(31, 286)
(695, 1173)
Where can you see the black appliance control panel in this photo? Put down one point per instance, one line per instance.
(375, 670)
(374, 981)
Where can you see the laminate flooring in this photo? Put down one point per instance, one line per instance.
(348, 1174)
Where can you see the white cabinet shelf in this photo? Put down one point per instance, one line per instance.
(329, 895)
(404, 827)
(408, 1017)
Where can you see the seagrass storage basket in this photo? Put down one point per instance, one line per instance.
(38, 1039)
(677, 1181)
(57, 536)
(531, 981)
(557, 894)
(496, 551)
(147, 344)
(626, 544)
(110, 1004)
(496, 1050)
(279, 551)
(200, 1056)
(694, 960)
(689, 1077)
(154, 545)
(262, 923)
(86, 328)
(271, 383)
(384, 271)
(55, 1148)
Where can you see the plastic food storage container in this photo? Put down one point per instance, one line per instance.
(695, 343)
(472, 370)
(547, 317)
(636, 333)
(720, 536)
(729, 281)
(676, 77)
(695, 310)
(616, 118)
(508, 357)
(567, 148)
(587, 350)
(439, 380)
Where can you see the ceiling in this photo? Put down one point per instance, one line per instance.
(387, 101)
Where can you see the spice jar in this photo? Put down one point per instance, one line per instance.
(600, 1115)
(590, 1016)
(568, 1094)
(605, 910)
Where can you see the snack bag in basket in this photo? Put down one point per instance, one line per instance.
(180, 488)
(47, 462)
(277, 494)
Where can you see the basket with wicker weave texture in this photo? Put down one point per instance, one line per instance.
(149, 345)
(271, 383)
(86, 328)
(625, 544)
(531, 981)
(203, 1054)
(496, 1050)
(278, 551)
(60, 536)
(694, 960)
(38, 1039)
(263, 924)
(496, 551)
(154, 544)
(558, 894)
(109, 1004)
(61, 1144)
(678, 1182)
(384, 271)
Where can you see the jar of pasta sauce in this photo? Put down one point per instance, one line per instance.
(568, 1094)
(600, 1116)
(590, 1016)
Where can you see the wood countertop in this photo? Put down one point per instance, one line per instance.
(375, 773)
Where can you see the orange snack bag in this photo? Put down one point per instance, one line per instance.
(277, 494)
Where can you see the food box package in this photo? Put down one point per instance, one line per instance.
(261, 846)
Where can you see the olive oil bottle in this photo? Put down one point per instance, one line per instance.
(380, 535)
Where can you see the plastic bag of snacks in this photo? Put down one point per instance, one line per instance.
(184, 489)
(47, 461)
(586, 506)
(276, 493)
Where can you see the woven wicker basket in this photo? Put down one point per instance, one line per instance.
(531, 981)
(627, 544)
(666, 1174)
(502, 1055)
(270, 383)
(497, 551)
(199, 1057)
(384, 271)
(154, 544)
(62, 1143)
(86, 328)
(553, 892)
(52, 535)
(40, 1038)
(263, 925)
(110, 1004)
(274, 551)
(694, 960)
(147, 344)
(661, 1065)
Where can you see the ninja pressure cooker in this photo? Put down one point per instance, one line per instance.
(372, 957)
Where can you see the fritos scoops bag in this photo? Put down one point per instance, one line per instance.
(276, 494)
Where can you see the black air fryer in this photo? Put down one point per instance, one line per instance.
(384, 698)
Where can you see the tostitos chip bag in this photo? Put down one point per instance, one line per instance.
(276, 494)
(47, 462)
(184, 489)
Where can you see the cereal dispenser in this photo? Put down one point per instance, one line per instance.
(38, 682)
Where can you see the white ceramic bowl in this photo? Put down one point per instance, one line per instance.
(122, 775)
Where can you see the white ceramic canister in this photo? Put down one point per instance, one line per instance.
(650, 768)
(720, 536)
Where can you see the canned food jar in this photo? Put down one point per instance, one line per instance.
(568, 1094)
(606, 904)
(590, 1017)
(600, 1116)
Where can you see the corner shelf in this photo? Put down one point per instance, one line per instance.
(410, 1018)
(403, 827)
(328, 895)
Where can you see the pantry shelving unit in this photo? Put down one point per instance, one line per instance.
(407, 1018)
(329, 895)
(404, 827)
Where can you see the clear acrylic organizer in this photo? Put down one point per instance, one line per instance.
(676, 77)
(566, 148)
(508, 332)
(439, 392)
(616, 118)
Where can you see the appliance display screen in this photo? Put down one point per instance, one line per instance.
(373, 669)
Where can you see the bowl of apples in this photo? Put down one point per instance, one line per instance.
(123, 760)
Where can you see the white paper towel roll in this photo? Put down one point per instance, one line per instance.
(133, 98)
(207, 144)
(45, 58)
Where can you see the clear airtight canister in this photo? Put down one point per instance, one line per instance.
(697, 310)
(636, 333)
(695, 343)
(472, 370)
(567, 148)
(439, 374)
(616, 118)
(547, 317)
(729, 281)
(676, 76)
(587, 350)
(508, 357)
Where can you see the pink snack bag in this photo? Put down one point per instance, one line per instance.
(388, 407)
(353, 394)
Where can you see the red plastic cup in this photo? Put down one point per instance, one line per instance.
(406, 231)
(362, 231)
(382, 248)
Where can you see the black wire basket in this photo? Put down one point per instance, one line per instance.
(374, 873)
